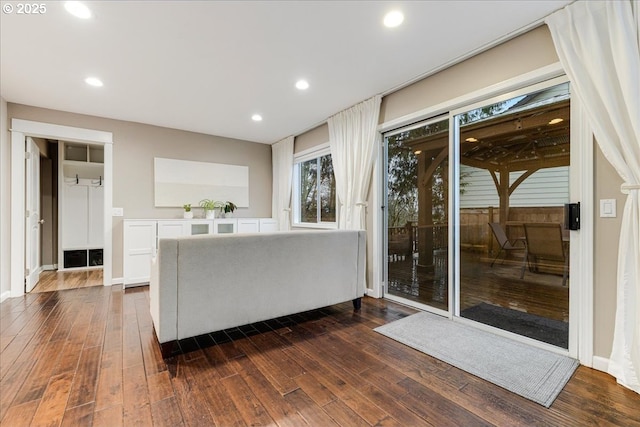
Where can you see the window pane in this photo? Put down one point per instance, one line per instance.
(308, 191)
(327, 190)
(417, 207)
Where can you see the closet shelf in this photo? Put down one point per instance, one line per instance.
(84, 170)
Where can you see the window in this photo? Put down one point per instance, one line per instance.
(314, 190)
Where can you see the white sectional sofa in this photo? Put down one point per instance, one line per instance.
(207, 283)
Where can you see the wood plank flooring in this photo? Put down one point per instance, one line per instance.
(70, 279)
(88, 356)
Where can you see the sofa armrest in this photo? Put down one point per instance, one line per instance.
(163, 290)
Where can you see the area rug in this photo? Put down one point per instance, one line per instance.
(533, 373)
(539, 328)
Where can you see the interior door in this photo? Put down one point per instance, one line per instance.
(33, 221)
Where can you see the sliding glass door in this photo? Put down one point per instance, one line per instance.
(417, 192)
(493, 179)
(514, 182)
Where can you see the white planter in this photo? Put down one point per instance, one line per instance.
(209, 214)
(188, 215)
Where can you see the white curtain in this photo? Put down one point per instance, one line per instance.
(598, 46)
(352, 138)
(282, 162)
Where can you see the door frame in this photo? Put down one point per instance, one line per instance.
(19, 130)
(581, 183)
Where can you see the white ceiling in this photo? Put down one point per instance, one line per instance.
(208, 66)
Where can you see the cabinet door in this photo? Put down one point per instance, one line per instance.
(96, 216)
(200, 226)
(75, 219)
(139, 248)
(268, 224)
(173, 229)
(247, 225)
(225, 226)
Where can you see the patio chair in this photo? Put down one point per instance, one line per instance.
(544, 242)
(506, 245)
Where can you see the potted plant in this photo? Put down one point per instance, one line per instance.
(228, 208)
(210, 207)
(188, 213)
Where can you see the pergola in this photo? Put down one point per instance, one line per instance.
(519, 140)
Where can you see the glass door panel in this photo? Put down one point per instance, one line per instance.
(417, 191)
(513, 185)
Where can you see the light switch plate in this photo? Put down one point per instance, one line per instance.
(607, 208)
(117, 211)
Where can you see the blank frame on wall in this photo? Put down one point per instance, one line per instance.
(178, 182)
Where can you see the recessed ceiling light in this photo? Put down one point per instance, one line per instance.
(471, 139)
(94, 81)
(393, 19)
(555, 121)
(302, 84)
(77, 9)
(256, 118)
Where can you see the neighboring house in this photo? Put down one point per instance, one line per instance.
(136, 145)
(546, 187)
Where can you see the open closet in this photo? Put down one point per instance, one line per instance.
(81, 205)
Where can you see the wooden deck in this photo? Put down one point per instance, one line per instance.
(540, 294)
(88, 356)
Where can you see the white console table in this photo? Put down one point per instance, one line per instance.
(141, 238)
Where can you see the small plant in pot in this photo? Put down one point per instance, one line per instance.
(210, 207)
(188, 213)
(228, 208)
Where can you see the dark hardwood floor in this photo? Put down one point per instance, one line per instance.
(88, 356)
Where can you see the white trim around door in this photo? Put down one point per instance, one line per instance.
(582, 285)
(21, 129)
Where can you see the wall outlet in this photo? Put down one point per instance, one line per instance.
(117, 211)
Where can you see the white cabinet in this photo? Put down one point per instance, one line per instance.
(245, 225)
(225, 226)
(184, 227)
(171, 228)
(75, 220)
(139, 247)
(141, 238)
(268, 225)
(248, 225)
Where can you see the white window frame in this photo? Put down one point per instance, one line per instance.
(304, 156)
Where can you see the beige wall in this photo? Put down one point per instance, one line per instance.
(525, 53)
(607, 233)
(311, 138)
(5, 201)
(518, 56)
(134, 148)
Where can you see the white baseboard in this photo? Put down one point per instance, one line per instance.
(600, 363)
(49, 267)
(117, 280)
(5, 295)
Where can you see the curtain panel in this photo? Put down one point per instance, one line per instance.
(282, 163)
(598, 46)
(352, 138)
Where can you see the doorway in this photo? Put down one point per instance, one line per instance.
(20, 129)
(510, 159)
(513, 246)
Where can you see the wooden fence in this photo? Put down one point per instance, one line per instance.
(475, 233)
